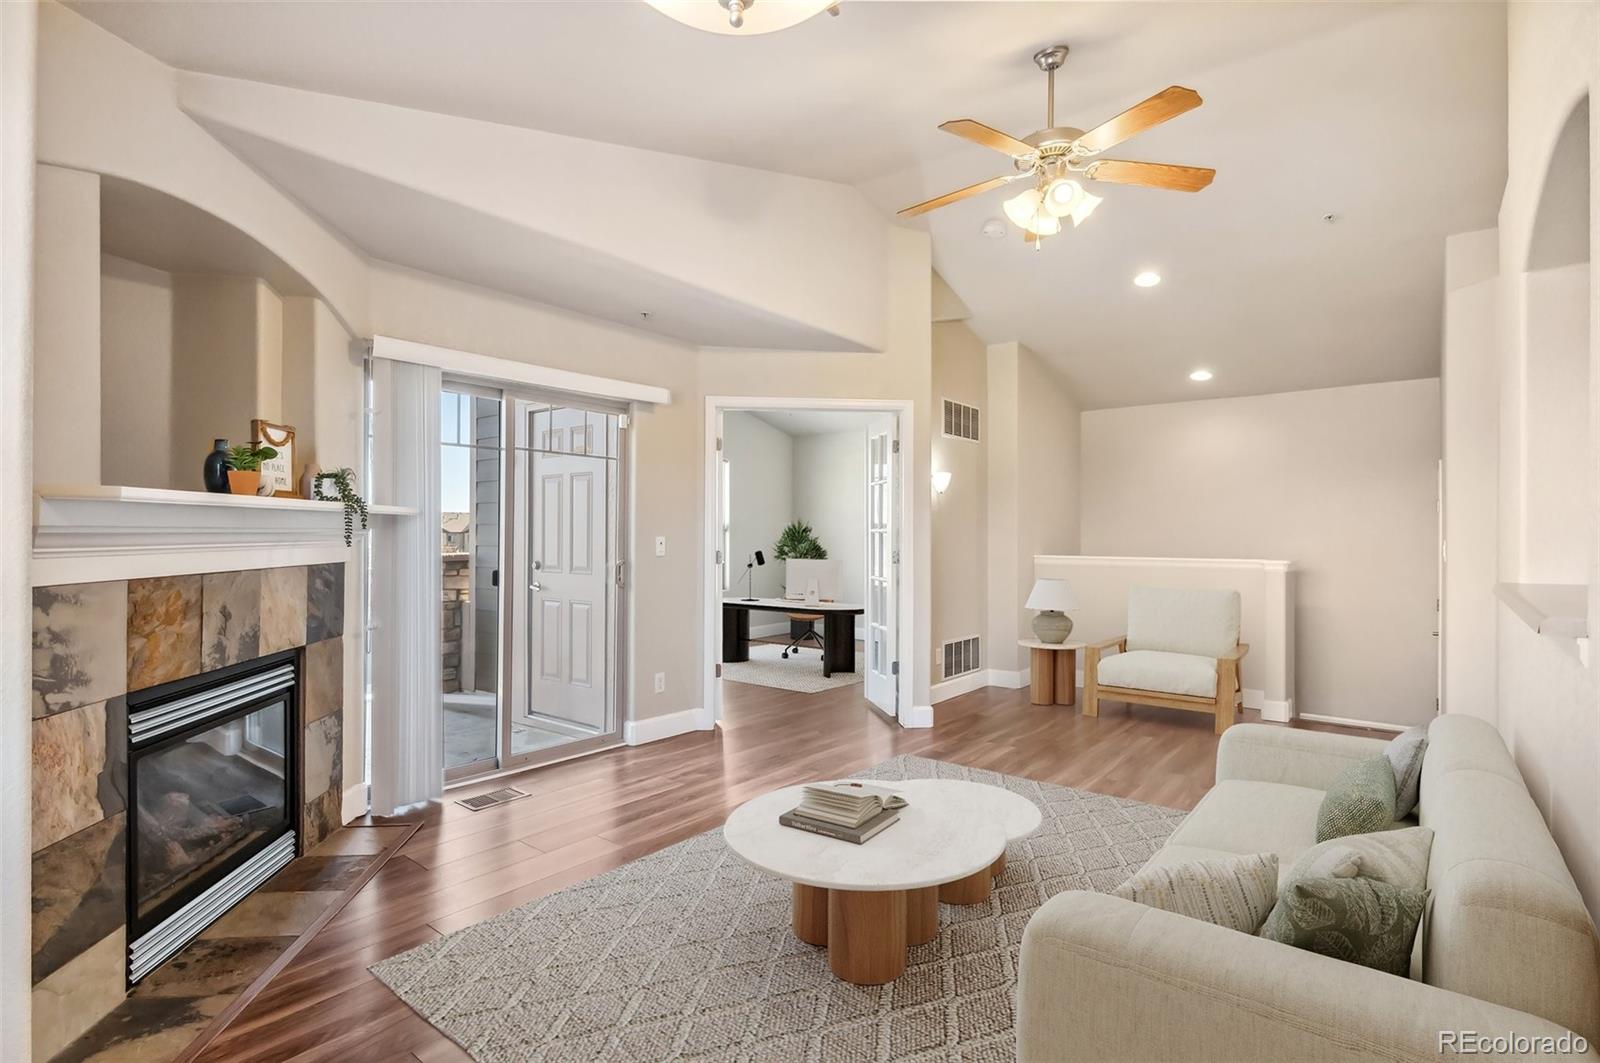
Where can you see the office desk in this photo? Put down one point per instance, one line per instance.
(838, 628)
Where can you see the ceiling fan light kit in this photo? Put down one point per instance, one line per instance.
(1055, 158)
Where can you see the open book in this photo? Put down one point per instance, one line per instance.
(847, 804)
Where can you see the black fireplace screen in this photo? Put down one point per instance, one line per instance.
(211, 779)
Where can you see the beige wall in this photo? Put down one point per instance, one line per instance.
(136, 375)
(1549, 703)
(1033, 489)
(1469, 417)
(1049, 478)
(227, 344)
(66, 309)
(961, 514)
(1340, 481)
(761, 470)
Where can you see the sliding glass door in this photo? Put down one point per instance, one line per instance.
(471, 489)
(537, 559)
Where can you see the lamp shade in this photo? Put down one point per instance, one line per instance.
(1052, 594)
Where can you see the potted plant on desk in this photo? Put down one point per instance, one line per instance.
(244, 467)
(798, 541)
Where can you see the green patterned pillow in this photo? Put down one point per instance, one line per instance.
(1360, 920)
(1360, 801)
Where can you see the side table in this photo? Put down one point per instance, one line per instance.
(1055, 671)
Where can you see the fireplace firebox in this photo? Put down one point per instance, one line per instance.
(212, 768)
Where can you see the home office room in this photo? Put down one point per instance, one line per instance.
(795, 538)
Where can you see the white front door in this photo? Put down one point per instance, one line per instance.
(569, 567)
(883, 562)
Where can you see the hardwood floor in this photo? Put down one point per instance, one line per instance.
(590, 815)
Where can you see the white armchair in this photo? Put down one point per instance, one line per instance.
(1182, 651)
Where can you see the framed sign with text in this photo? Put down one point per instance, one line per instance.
(278, 472)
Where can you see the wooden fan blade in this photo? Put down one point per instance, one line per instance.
(1029, 237)
(979, 133)
(952, 197)
(1167, 104)
(1151, 174)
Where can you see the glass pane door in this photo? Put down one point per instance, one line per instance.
(569, 461)
(470, 492)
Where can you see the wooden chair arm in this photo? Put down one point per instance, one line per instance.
(1118, 644)
(1237, 653)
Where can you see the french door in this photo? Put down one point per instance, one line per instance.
(554, 628)
(883, 563)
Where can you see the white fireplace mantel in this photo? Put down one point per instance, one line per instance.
(86, 534)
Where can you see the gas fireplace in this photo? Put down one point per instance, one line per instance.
(211, 792)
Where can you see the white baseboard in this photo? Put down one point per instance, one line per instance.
(767, 631)
(1010, 680)
(354, 804)
(655, 728)
(1345, 721)
(917, 716)
(961, 684)
(983, 677)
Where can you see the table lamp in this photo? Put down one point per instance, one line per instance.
(1052, 597)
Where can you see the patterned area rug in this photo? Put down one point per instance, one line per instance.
(688, 954)
(802, 672)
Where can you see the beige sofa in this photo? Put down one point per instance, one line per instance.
(1509, 946)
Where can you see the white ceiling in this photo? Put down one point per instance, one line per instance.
(815, 422)
(1391, 116)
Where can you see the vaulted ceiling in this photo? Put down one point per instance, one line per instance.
(1389, 117)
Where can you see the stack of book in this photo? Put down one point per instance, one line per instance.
(849, 811)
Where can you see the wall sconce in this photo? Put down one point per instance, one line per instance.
(941, 482)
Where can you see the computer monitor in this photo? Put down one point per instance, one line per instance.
(798, 576)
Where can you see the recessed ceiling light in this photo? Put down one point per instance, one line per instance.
(1200, 376)
(1147, 279)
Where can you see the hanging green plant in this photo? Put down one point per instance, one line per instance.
(798, 542)
(344, 491)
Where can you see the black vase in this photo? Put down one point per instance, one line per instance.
(215, 470)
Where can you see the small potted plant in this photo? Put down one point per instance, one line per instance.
(244, 467)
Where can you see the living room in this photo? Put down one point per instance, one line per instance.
(1211, 495)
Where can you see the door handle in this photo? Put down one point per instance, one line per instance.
(536, 586)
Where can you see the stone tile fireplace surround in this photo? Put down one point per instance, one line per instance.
(93, 643)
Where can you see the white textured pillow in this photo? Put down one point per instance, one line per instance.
(1237, 893)
(1398, 857)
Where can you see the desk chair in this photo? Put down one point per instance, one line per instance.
(808, 632)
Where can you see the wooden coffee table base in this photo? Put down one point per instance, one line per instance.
(866, 933)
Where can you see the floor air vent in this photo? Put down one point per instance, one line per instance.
(490, 799)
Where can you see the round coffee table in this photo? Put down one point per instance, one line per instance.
(867, 903)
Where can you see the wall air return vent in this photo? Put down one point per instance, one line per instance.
(960, 657)
(960, 421)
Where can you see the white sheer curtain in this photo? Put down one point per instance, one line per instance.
(407, 699)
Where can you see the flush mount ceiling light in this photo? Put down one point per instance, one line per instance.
(1052, 159)
(1148, 279)
(743, 18)
(1200, 376)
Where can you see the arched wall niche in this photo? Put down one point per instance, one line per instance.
(1558, 458)
(202, 330)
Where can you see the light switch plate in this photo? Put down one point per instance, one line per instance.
(661, 546)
